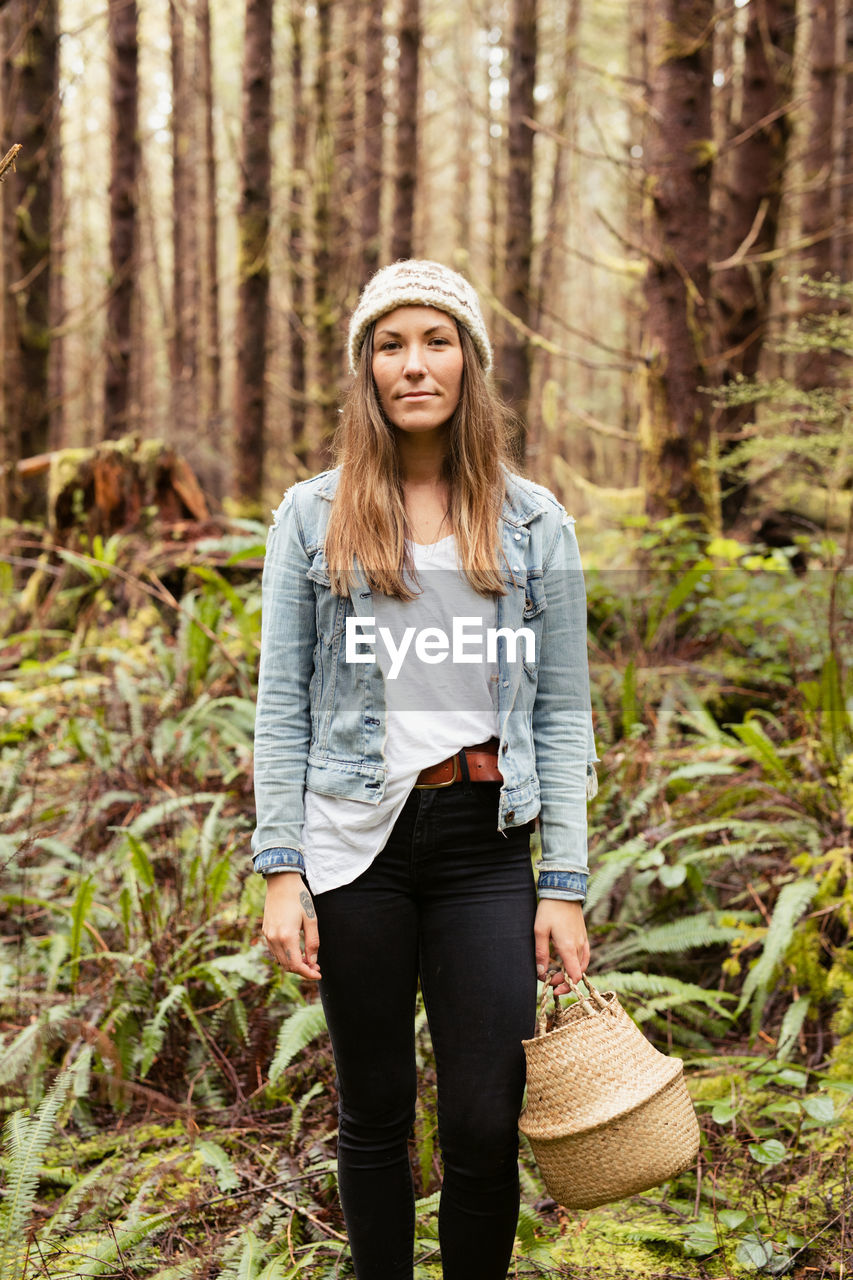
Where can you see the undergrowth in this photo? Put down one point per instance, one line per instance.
(169, 1094)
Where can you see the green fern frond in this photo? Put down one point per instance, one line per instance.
(25, 1137)
(700, 930)
(790, 905)
(295, 1033)
(655, 986)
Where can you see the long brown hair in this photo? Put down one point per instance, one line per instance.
(368, 518)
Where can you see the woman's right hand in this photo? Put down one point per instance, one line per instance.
(288, 910)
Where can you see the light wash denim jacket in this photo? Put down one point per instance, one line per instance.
(321, 720)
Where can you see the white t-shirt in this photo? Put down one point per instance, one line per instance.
(435, 706)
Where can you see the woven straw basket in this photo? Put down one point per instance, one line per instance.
(606, 1114)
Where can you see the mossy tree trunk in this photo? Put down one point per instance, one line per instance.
(675, 436)
(254, 271)
(124, 179)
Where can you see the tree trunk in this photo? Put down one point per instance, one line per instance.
(30, 82)
(402, 238)
(124, 178)
(296, 236)
(846, 271)
(751, 187)
(514, 355)
(326, 306)
(253, 229)
(371, 155)
(209, 310)
(551, 300)
(185, 292)
(821, 201)
(675, 425)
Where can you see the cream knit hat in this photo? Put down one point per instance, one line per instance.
(416, 282)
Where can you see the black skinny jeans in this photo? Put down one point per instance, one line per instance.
(449, 901)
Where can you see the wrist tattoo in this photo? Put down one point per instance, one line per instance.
(307, 904)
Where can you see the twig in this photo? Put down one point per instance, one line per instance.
(306, 1213)
(8, 161)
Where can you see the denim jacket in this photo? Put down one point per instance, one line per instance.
(320, 720)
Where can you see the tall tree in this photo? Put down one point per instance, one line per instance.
(846, 270)
(124, 178)
(516, 294)
(749, 185)
(402, 231)
(30, 96)
(253, 228)
(675, 421)
(821, 200)
(326, 305)
(185, 275)
(372, 134)
(297, 233)
(209, 311)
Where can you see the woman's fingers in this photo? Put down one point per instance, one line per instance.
(560, 925)
(289, 910)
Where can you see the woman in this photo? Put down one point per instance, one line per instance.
(423, 695)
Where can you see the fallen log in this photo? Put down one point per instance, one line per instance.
(117, 486)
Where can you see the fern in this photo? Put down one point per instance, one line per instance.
(790, 905)
(295, 1033)
(25, 1138)
(699, 930)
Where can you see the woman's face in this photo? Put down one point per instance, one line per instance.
(417, 367)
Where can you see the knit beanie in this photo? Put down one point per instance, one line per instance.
(414, 282)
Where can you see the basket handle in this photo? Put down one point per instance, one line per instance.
(595, 994)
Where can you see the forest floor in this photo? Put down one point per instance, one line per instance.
(170, 1094)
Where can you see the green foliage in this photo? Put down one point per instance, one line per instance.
(720, 909)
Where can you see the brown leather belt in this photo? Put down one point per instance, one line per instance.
(482, 761)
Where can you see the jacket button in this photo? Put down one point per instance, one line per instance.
(510, 817)
(518, 537)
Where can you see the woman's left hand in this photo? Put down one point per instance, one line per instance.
(560, 925)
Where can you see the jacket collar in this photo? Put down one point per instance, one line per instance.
(522, 500)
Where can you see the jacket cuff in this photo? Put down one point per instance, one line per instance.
(569, 885)
(272, 860)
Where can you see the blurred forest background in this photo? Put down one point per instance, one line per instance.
(654, 201)
(636, 190)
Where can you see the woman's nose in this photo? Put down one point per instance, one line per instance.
(414, 363)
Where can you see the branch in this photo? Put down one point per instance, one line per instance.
(8, 161)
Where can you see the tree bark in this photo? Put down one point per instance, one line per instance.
(124, 178)
(30, 83)
(514, 354)
(326, 306)
(821, 201)
(551, 300)
(403, 229)
(847, 148)
(675, 425)
(296, 235)
(750, 181)
(371, 154)
(185, 276)
(253, 229)
(209, 262)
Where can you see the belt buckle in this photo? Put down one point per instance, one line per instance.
(437, 786)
